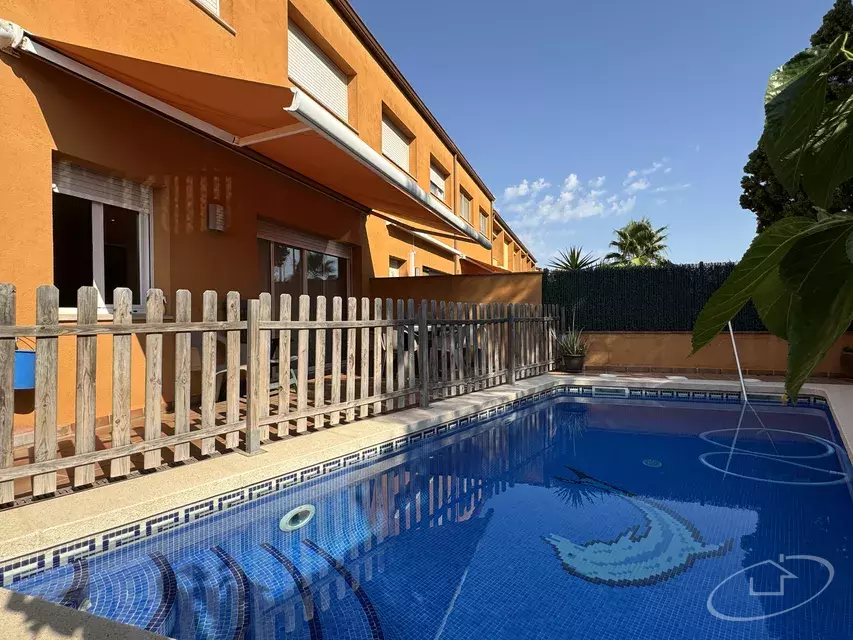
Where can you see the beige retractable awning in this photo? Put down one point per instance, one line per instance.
(281, 122)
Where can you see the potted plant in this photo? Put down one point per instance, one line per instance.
(847, 360)
(572, 347)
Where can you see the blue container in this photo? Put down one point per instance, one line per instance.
(25, 369)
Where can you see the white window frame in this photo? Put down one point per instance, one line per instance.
(390, 127)
(464, 197)
(145, 243)
(484, 228)
(442, 187)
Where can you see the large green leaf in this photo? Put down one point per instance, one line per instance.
(773, 300)
(794, 103)
(763, 256)
(823, 306)
(828, 160)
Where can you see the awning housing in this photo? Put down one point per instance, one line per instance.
(283, 123)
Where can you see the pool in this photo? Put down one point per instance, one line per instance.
(568, 517)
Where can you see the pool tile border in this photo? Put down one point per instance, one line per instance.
(31, 564)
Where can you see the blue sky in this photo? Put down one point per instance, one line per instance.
(549, 89)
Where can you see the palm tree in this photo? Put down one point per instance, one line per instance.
(638, 243)
(572, 260)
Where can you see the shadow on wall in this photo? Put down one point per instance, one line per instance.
(524, 288)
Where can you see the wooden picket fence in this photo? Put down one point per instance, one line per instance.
(376, 364)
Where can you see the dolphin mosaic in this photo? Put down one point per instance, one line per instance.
(664, 546)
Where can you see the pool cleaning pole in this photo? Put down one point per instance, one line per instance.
(745, 399)
(737, 363)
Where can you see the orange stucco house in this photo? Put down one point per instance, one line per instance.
(241, 145)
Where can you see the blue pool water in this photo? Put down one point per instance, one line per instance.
(590, 519)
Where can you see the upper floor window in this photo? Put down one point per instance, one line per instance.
(437, 181)
(484, 224)
(464, 206)
(315, 72)
(395, 143)
(101, 235)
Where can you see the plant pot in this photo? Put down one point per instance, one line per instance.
(847, 362)
(573, 364)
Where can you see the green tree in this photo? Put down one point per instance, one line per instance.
(799, 271)
(763, 194)
(638, 243)
(572, 260)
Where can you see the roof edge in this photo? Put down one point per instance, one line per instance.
(361, 30)
(509, 230)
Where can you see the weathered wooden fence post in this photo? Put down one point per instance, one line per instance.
(122, 346)
(84, 428)
(510, 343)
(423, 353)
(253, 377)
(47, 349)
(7, 390)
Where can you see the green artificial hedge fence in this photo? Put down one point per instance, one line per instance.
(665, 298)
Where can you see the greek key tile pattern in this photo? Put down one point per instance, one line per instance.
(17, 568)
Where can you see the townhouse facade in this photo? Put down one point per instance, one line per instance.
(245, 145)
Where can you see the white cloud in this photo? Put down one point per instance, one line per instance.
(597, 183)
(633, 173)
(638, 185)
(623, 206)
(671, 187)
(653, 169)
(668, 170)
(571, 183)
(539, 184)
(612, 198)
(517, 190)
(659, 201)
(525, 188)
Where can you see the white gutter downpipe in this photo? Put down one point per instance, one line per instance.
(305, 109)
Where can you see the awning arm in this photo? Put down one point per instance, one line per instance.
(305, 109)
(428, 239)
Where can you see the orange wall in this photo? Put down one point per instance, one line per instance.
(175, 32)
(46, 111)
(520, 288)
(759, 352)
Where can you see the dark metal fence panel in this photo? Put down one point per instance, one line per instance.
(666, 298)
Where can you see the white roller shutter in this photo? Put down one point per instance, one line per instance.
(210, 5)
(74, 180)
(464, 207)
(312, 70)
(395, 144)
(291, 237)
(437, 182)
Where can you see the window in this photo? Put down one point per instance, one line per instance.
(210, 5)
(101, 235)
(429, 271)
(437, 181)
(506, 254)
(484, 224)
(395, 144)
(395, 265)
(298, 263)
(313, 71)
(464, 206)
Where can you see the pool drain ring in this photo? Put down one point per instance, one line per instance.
(652, 463)
(297, 518)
